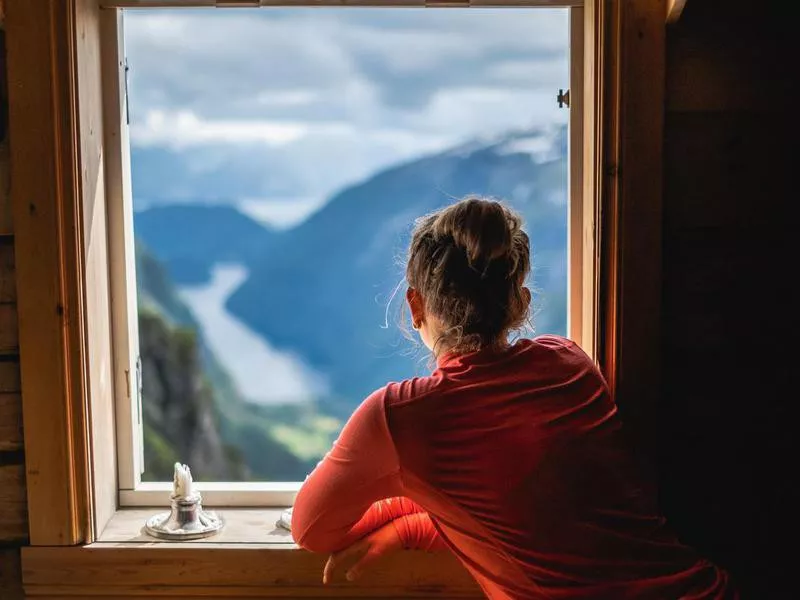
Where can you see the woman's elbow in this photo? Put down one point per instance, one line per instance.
(309, 536)
(314, 541)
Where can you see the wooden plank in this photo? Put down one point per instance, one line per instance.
(6, 223)
(9, 330)
(593, 178)
(46, 197)
(632, 207)
(9, 376)
(206, 594)
(10, 574)
(10, 422)
(6, 219)
(98, 301)
(8, 275)
(224, 571)
(13, 509)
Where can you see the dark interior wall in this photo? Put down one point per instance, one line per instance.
(725, 438)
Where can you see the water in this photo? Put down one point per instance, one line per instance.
(262, 373)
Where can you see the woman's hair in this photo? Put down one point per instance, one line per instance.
(469, 262)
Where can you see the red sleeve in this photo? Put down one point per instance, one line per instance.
(418, 533)
(384, 511)
(360, 469)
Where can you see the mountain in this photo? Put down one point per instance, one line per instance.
(191, 409)
(322, 291)
(323, 288)
(190, 238)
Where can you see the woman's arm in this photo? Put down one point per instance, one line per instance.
(384, 511)
(411, 531)
(359, 470)
(417, 532)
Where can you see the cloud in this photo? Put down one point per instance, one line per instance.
(296, 103)
(211, 60)
(184, 128)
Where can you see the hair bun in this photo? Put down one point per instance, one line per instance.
(483, 228)
(468, 261)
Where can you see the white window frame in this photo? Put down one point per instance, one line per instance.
(581, 250)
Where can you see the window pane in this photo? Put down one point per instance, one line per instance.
(279, 158)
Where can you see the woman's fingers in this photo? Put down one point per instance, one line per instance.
(344, 558)
(361, 564)
(356, 558)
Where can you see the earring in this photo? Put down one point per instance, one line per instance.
(414, 325)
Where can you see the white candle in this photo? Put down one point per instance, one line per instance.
(182, 484)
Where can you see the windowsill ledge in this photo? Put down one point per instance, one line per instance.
(243, 526)
(250, 557)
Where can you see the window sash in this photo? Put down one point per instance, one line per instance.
(129, 440)
(339, 3)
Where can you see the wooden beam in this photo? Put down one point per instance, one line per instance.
(99, 354)
(6, 220)
(8, 275)
(228, 571)
(10, 422)
(9, 337)
(10, 573)
(46, 205)
(13, 509)
(9, 375)
(633, 115)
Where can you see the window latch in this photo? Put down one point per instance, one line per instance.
(127, 103)
(138, 384)
(563, 98)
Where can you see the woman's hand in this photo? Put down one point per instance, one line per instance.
(359, 556)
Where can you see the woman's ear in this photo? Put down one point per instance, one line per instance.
(416, 305)
(526, 294)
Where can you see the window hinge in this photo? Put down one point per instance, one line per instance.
(447, 3)
(563, 98)
(238, 3)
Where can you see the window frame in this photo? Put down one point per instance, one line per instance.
(133, 492)
(52, 58)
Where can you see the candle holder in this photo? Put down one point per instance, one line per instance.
(187, 520)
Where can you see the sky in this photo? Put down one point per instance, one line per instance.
(275, 110)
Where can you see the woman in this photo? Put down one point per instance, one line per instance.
(510, 455)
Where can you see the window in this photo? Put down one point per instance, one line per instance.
(270, 164)
(67, 111)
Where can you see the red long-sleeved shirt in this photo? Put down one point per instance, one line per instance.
(513, 460)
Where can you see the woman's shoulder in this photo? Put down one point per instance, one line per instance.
(552, 339)
(557, 346)
(408, 390)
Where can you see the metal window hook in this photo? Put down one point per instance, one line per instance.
(563, 98)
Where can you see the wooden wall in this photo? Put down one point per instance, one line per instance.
(13, 518)
(724, 432)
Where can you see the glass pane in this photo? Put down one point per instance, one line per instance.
(279, 158)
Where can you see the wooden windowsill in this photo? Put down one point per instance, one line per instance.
(242, 526)
(249, 558)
